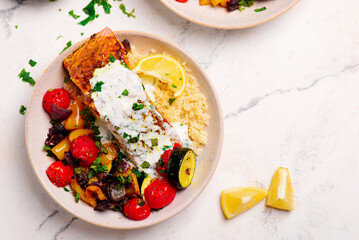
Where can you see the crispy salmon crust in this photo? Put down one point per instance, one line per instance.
(94, 53)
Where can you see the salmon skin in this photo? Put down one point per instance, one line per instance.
(94, 53)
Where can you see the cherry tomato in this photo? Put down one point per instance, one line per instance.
(59, 97)
(59, 174)
(159, 193)
(84, 149)
(162, 164)
(137, 209)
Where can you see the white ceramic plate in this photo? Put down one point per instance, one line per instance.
(37, 124)
(218, 17)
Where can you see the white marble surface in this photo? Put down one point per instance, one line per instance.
(289, 91)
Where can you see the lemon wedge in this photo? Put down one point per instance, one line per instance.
(280, 193)
(166, 69)
(237, 200)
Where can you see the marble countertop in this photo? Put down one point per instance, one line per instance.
(289, 92)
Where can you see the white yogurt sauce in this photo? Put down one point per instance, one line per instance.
(182, 131)
(118, 108)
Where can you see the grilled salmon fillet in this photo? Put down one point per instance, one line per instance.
(94, 53)
(141, 131)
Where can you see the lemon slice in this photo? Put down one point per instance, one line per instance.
(280, 193)
(166, 69)
(237, 200)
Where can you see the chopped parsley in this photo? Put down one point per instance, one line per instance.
(77, 197)
(97, 166)
(143, 86)
(125, 135)
(260, 9)
(112, 58)
(125, 92)
(171, 100)
(72, 14)
(167, 74)
(129, 179)
(25, 76)
(32, 63)
(174, 86)
(58, 37)
(66, 190)
(47, 148)
(90, 11)
(121, 179)
(166, 147)
(133, 139)
(66, 80)
(98, 87)
(68, 44)
(123, 9)
(154, 142)
(166, 106)
(125, 65)
(145, 164)
(152, 106)
(137, 106)
(82, 34)
(163, 171)
(22, 110)
(245, 3)
(16, 26)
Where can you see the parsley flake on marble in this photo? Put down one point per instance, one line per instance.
(123, 9)
(25, 77)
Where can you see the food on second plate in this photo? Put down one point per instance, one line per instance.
(231, 5)
(280, 193)
(114, 139)
(237, 200)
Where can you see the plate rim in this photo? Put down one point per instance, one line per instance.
(224, 27)
(221, 129)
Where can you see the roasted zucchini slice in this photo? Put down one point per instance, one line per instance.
(181, 166)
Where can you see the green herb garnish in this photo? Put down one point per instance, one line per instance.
(154, 142)
(47, 148)
(58, 37)
(66, 190)
(25, 76)
(77, 198)
(68, 44)
(98, 87)
(133, 139)
(112, 58)
(72, 14)
(166, 147)
(171, 100)
(32, 63)
(125, 92)
(145, 164)
(174, 86)
(123, 8)
(137, 106)
(22, 110)
(260, 9)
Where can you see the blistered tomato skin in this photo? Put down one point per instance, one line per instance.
(59, 97)
(159, 194)
(136, 209)
(162, 165)
(84, 149)
(59, 174)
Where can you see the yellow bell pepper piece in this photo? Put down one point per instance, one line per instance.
(62, 147)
